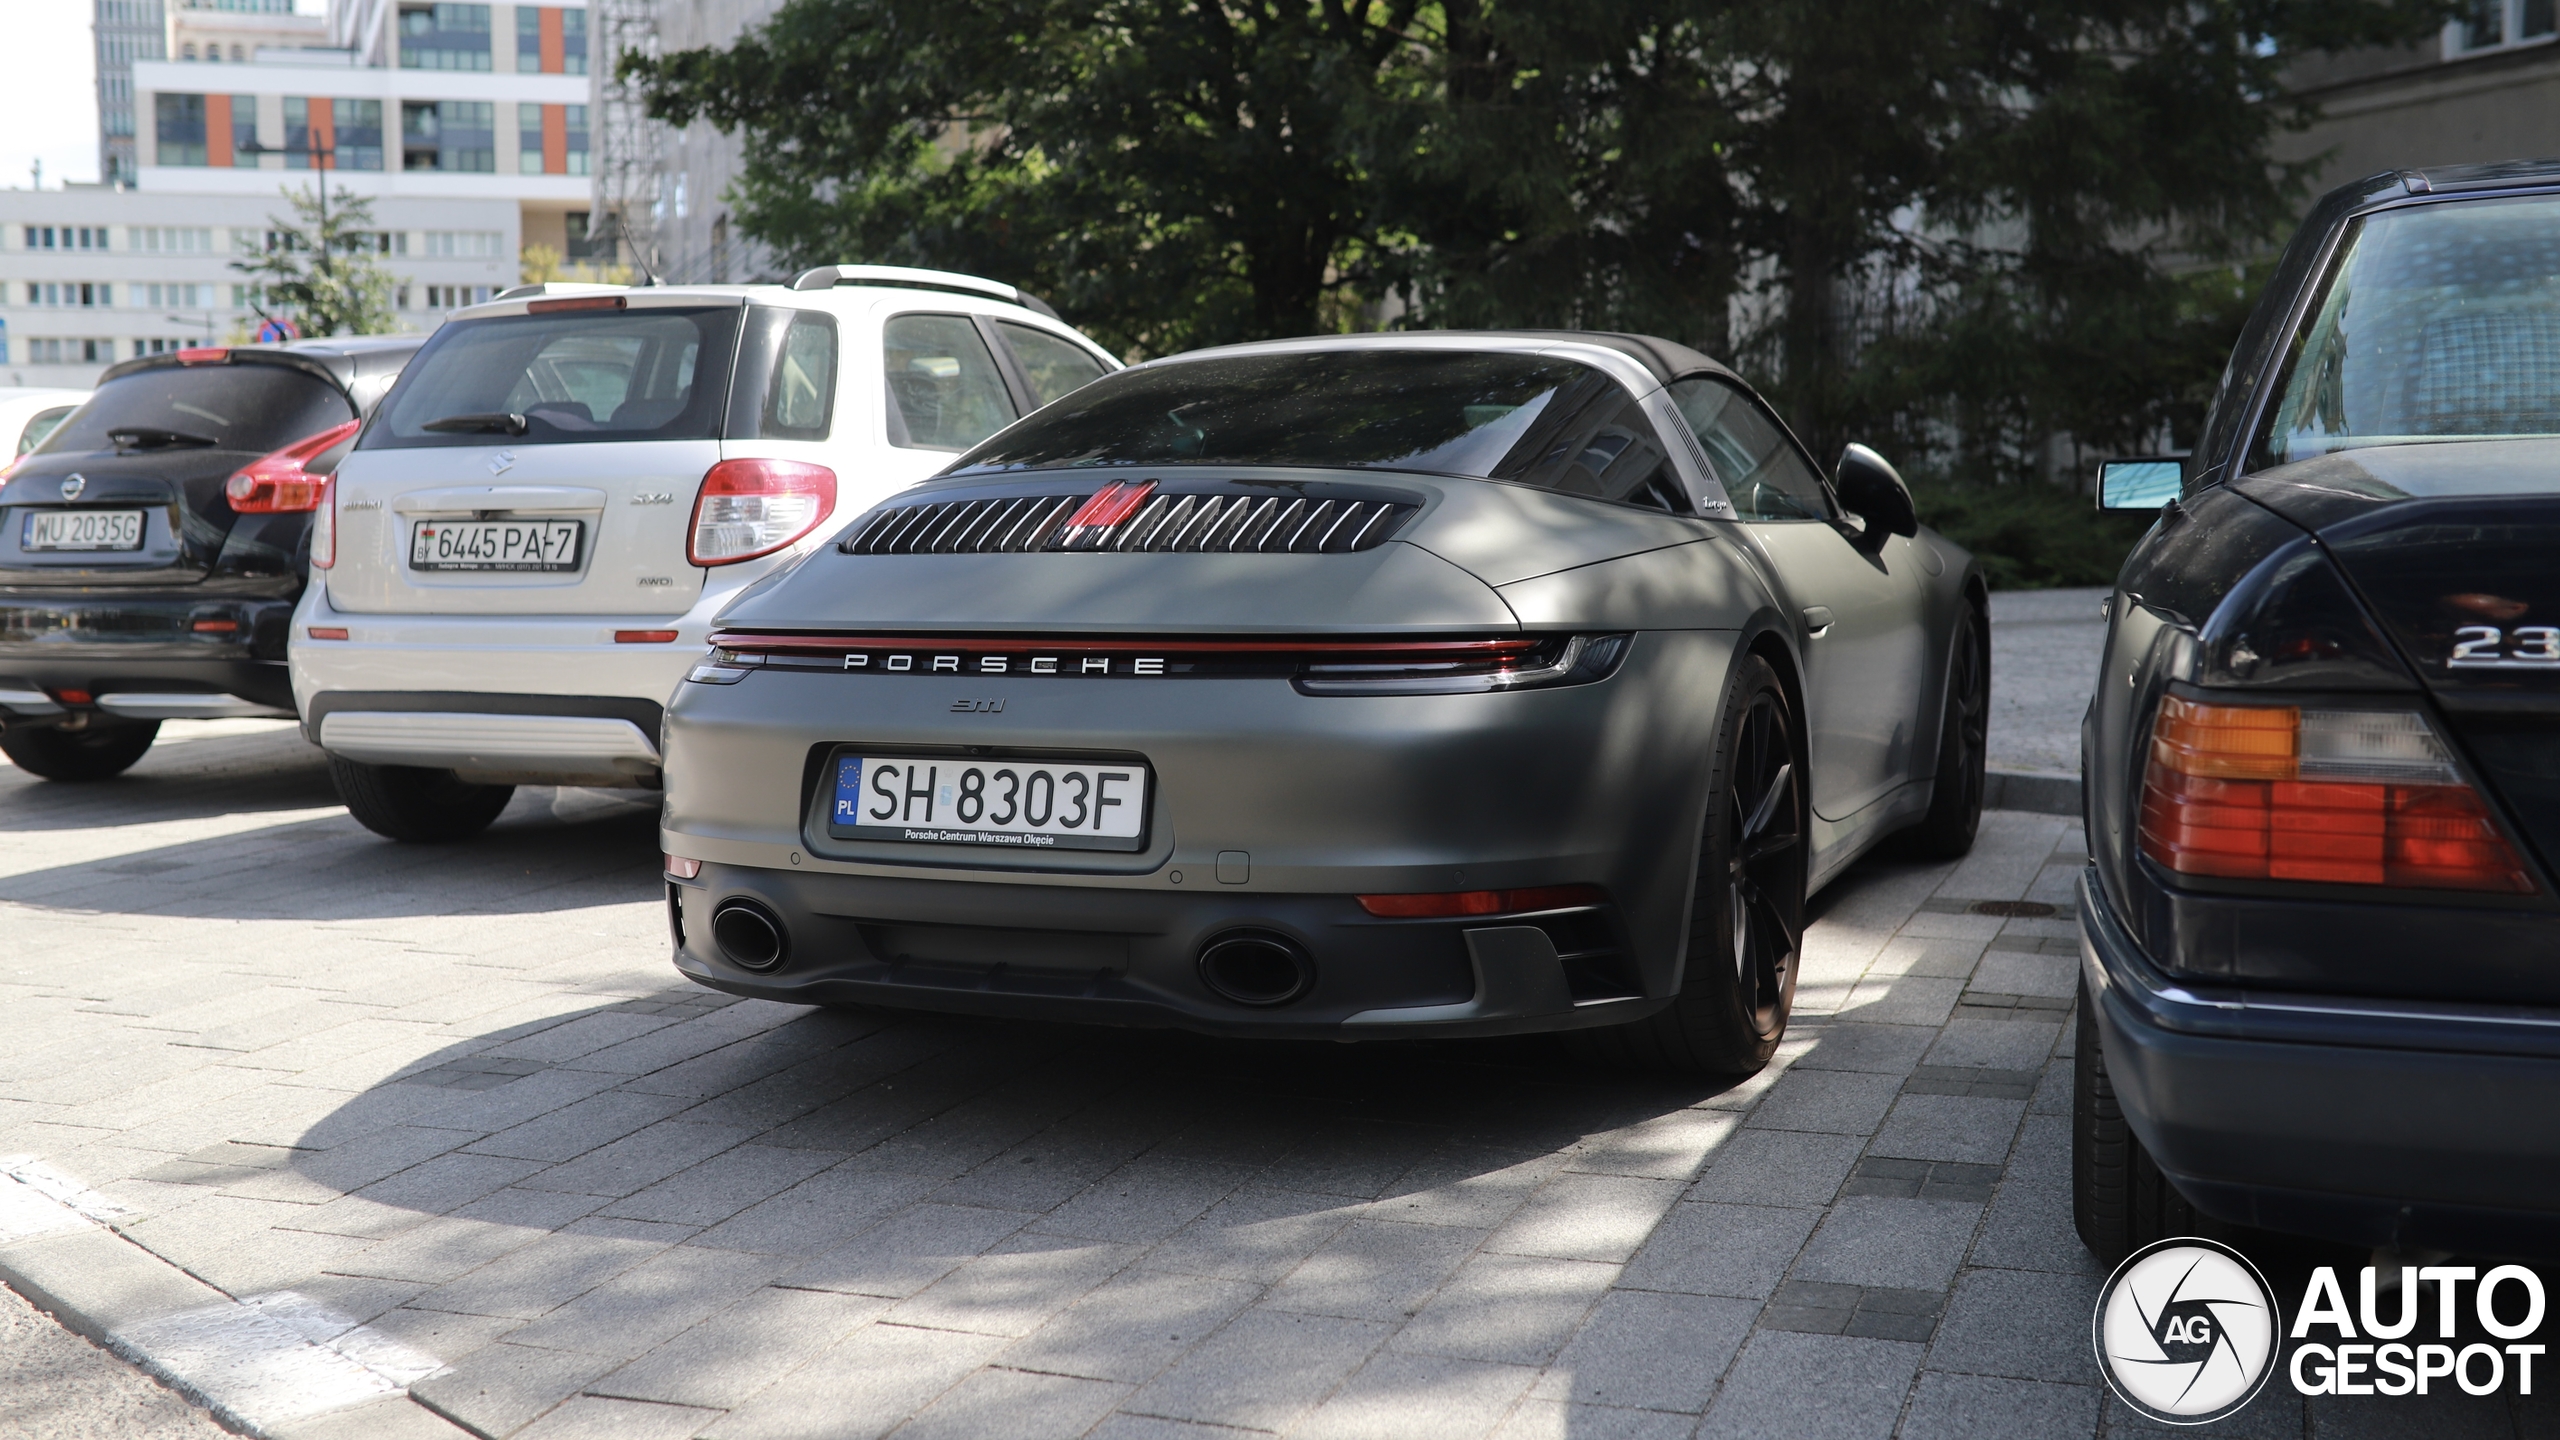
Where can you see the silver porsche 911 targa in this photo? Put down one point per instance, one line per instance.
(1425, 684)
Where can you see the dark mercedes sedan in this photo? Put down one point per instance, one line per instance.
(2321, 937)
(152, 548)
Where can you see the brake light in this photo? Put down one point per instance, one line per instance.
(204, 355)
(279, 483)
(2344, 797)
(576, 302)
(1109, 506)
(749, 508)
(1481, 902)
(327, 632)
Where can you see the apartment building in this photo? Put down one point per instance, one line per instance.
(90, 275)
(2486, 88)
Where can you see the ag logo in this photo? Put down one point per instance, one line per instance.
(2186, 1331)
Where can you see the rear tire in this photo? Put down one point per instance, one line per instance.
(95, 752)
(1964, 743)
(419, 807)
(1746, 912)
(2120, 1201)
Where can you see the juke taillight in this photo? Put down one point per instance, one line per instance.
(279, 483)
(749, 508)
(2338, 796)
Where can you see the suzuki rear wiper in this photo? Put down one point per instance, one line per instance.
(496, 422)
(152, 437)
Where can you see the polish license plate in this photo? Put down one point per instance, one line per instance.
(495, 544)
(1029, 804)
(82, 530)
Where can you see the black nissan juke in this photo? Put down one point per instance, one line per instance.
(2321, 923)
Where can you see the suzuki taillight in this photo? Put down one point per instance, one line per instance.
(324, 529)
(749, 508)
(2345, 797)
(279, 483)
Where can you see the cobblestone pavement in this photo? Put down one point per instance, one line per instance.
(301, 1117)
(2045, 648)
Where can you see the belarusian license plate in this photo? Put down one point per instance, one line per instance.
(1033, 804)
(82, 530)
(495, 545)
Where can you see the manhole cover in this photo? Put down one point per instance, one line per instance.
(2014, 909)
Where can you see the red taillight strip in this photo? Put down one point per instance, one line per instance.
(836, 644)
(1111, 504)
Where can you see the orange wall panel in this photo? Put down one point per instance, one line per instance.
(217, 130)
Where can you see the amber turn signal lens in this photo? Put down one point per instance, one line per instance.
(2342, 797)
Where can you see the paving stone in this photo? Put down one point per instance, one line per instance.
(1848, 1045)
(1000, 1404)
(651, 1301)
(1966, 1407)
(1949, 1127)
(1667, 1147)
(1777, 1167)
(1586, 1217)
(1716, 1249)
(1813, 1387)
(1375, 1271)
(1516, 1309)
(1997, 1044)
(909, 1251)
(588, 1417)
(2029, 1226)
(579, 1127)
(1556, 1420)
(1421, 1397)
(1257, 1233)
(1650, 1351)
(1467, 1186)
(1264, 1371)
(1143, 1201)
(723, 1361)
(1130, 1327)
(715, 1189)
(863, 1386)
(815, 1215)
(535, 1279)
(1835, 1102)
(1016, 1286)
(1906, 1244)
(501, 1388)
(2021, 1324)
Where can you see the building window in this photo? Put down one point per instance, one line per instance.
(178, 125)
(158, 347)
(458, 135)
(359, 128)
(583, 243)
(575, 123)
(66, 237)
(244, 131)
(454, 297)
(2499, 24)
(573, 42)
(529, 138)
(464, 244)
(70, 293)
(444, 37)
(306, 128)
(187, 51)
(172, 240)
(178, 297)
(70, 352)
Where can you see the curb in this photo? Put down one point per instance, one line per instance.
(101, 1286)
(2031, 792)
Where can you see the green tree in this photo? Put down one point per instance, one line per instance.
(320, 269)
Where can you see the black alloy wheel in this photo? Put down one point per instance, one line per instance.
(1746, 912)
(1964, 745)
(99, 750)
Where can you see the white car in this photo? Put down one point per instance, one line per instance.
(523, 553)
(28, 413)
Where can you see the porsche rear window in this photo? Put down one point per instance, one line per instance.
(574, 376)
(1531, 418)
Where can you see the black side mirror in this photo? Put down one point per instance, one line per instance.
(1872, 490)
(2143, 483)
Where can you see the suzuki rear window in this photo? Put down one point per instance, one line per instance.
(2437, 322)
(563, 379)
(224, 407)
(1506, 416)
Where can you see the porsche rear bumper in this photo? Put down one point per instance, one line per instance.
(1269, 811)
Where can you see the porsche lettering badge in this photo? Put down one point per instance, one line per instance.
(2487, 647)
(931, 664)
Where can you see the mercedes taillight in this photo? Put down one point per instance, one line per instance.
(2340, 796)
(281, 483)
(749, 508)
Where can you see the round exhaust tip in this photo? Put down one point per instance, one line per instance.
(1256, 967)
(750, 936)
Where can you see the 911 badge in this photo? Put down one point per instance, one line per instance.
(2487, 647)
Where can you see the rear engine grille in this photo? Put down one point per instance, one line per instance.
(1219, 523)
